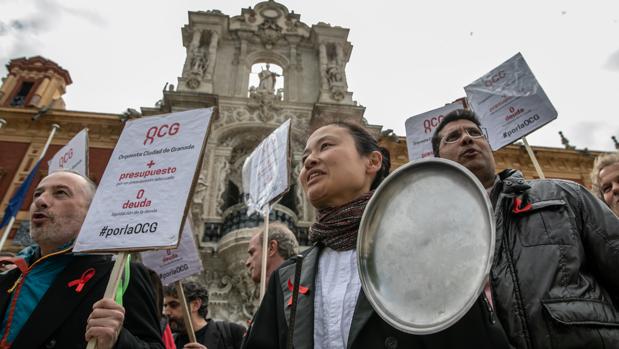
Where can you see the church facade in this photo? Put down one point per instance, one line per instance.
(258, 69)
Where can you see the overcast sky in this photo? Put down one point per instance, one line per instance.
(408, 57)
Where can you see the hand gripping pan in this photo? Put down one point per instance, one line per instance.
(425, 247)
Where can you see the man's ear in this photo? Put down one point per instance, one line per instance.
(273, 246)
(195, 305)
(375, 162)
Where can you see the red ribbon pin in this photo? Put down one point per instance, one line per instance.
(79, 283)
(517, 209)
(302, 290)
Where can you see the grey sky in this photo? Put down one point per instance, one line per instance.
(408, 57)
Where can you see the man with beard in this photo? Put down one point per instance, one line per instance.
(553, 281)
(53, 298)
(210, 334)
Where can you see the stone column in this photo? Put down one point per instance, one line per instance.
(7, 87)
(195, 42)
(322, 60)
(339, 60)
(290, 76)
(38, 94)
(212, 55)
(219, 179)
(242, 75)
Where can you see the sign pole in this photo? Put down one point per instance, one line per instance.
(533, 158)
(186, 314)
(265, 251)
(112, 285)
(9, 226)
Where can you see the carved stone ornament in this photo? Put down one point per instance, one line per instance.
(193, 83)
(269, 32)
(265, 103)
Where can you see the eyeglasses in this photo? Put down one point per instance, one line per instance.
(171, 304)
(455, 135)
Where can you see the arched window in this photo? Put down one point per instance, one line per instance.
(266, 79)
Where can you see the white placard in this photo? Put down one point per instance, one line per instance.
(175, 264)
(420, 128)
(266, 170)
(142, 199)
(510, 102)
(73, 156)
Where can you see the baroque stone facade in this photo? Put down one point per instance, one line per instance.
(221, 51)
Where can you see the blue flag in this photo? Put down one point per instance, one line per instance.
(18, 198)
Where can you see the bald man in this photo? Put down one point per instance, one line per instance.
(54, 298)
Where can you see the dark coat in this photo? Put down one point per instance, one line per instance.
(213, 336)
(270, 328)
(554, 277)
(59, 320)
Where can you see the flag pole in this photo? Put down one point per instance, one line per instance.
(9, 226)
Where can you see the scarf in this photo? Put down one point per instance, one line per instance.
(338, 227)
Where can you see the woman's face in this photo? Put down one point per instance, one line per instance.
(333, 171)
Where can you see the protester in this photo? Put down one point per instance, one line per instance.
(282, 245)
(342, 165)
(554, 280)
(605, 179)
(166, 332)
(209, 333)
(54, 298)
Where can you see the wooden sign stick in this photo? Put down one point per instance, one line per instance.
(186, 314)
(533, 158)
(265, 251)
(112, 285)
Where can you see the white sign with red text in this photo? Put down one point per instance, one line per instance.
(266, 170)
(73, 156)
(420, 128)
(175, 264)
(143, 196)
(509, 102)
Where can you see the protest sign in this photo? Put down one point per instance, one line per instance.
(265, 178)
(420, 128)
(510, 102)
(143, 197)
(175, 264)
(73, 156)
(266, 170)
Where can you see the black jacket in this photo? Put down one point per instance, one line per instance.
(59, 320)
(270, 327)
(555, 277)
(215, 335)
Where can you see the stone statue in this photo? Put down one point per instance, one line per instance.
(199, 61)
(334, 75)
(267, 80)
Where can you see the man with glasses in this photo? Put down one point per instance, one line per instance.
(554, 280)
(209, 333)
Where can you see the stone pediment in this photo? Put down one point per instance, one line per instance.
(270, 22)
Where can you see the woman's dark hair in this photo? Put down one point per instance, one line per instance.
(365, 145)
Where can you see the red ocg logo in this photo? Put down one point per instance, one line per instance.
(161, 131)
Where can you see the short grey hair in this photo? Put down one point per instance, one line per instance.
(599, 164)
(91, 186)
(287, 244)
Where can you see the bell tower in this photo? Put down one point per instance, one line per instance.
(34, 82)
